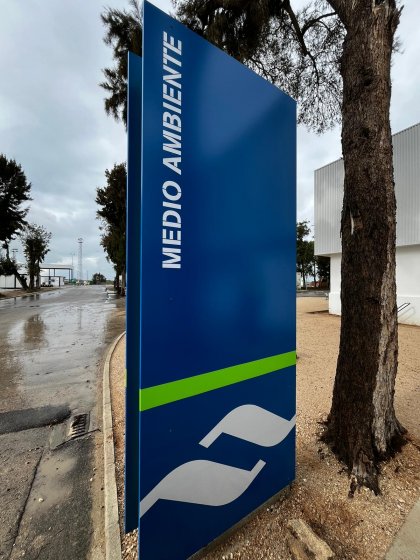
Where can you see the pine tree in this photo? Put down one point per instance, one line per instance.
(112, 213)
(14, 192)
(310, 53)
(35, 241)
(123, 34)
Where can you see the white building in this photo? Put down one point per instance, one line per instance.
(54, 275)
(328, 203)
(11, 282)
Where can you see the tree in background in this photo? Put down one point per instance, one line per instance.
(304, 251)
(35, 241)
(112, 213)
(307, 263)
(98, 278)
(123, 34)
(305, 52)
(323, 270)
(14, 192)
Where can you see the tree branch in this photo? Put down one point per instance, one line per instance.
(288, 9)
(312, 22)
(299, 35)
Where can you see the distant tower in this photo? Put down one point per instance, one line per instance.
(80, 260)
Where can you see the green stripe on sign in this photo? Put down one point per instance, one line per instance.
(198, 384)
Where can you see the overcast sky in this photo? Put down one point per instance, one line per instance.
(53, 123)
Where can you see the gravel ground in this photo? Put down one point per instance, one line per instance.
(358, 528)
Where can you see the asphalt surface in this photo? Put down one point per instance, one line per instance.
(51, 349)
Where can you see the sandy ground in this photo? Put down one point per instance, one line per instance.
(358, 528)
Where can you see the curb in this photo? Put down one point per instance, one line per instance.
(407, 541)
(112, 527)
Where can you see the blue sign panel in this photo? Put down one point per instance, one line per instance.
(133, 293)
(217, 298)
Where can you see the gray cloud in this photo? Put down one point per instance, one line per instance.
(52, 119)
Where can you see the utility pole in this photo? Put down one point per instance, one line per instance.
(80, 260)
(72, 273)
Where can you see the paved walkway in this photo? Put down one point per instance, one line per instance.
(407, 542)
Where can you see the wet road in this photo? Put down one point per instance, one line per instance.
(50, 344)
(51, 350)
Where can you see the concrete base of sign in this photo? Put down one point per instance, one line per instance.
(112, 527)
(282, 495)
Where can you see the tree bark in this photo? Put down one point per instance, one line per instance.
(362, 427)
(123, 278)
(31, 271)
(117, 282)
(22, 280)
(302, 271)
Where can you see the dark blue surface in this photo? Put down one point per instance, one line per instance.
(233, 300)
(133, 293)
(228, 303)
(175, 530)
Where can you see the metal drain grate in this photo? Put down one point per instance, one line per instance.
(79, 425)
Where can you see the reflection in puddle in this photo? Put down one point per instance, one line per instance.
(79, 318)
(34, 331)
(11, 370)
(51, 354)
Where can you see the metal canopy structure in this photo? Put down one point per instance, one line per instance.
(62, 267)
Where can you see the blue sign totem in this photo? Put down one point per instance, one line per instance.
(216, 315)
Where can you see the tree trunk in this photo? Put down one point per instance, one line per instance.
(31, 276)
(362, 427)
(303, 276)
(22, 280)
(123, 281)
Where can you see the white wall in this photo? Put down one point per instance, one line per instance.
(7, 282)
(335, 281)
(328, 190)
(408, 284)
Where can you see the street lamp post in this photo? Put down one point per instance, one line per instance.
(72, 255)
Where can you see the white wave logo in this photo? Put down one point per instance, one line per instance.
(214, 484)
(252, 423)
(202, 482)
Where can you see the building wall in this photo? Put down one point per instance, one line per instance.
(329, 195)
(328, 203)
(9, 282)
(55, 281)
(408, 284)
(335, 281)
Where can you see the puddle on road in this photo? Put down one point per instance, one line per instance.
(53, 480)
(49, 355)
